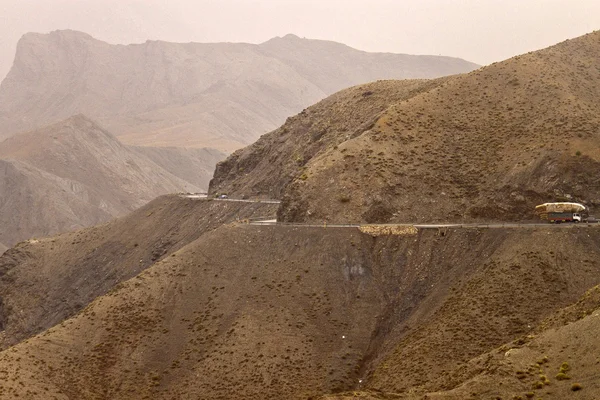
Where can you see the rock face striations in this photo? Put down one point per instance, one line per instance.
(75, 174)
(488, 145)
(188, 95)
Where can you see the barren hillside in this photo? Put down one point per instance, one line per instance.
(487, 145)
(265, 168)
(45, 281)
(188, 95)
(195, 166)
(557, 361)
(183, 299)
(74, 174)
(35, 203)
(320, 311)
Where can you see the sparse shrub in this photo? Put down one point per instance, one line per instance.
(543, 360)
(576, 387)
(529, 395)
(577, 153)
(344, 198)
(564, 367)
(561, 376)
(538, 385)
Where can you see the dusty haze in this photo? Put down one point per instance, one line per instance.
(478, 31)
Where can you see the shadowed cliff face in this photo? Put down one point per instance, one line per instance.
(193, 95)
(488, 145)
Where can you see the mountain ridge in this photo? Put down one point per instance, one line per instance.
(220, 95)
(331, 301)
(74, 174)
(487, 145)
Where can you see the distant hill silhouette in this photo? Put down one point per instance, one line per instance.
(222, 95)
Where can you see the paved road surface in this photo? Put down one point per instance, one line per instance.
(491, 225)
(199, 196)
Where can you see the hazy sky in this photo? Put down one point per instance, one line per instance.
(481, 31)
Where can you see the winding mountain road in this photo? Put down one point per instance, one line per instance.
(478, 225)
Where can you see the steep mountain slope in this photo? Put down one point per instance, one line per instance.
(558, 362)
(195, 166)
(266, 167)
(46, 281)
(488, 145)
(320, 311)
(189, 95)
(378, 312)
(73, 174)
(35, 203)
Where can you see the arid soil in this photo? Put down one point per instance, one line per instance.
(488, 145)
(559, 360)
(44, 281)
(266, 168)
(216, 95)
(289, 312)
(184, 299)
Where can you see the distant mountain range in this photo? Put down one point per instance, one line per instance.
(74, 174)
(221, 96)
(488, 145)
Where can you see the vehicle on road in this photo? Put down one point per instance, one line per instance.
(564, 217)
(562, 212)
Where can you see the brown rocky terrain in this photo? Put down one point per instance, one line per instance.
(559, 360)
(75, 174)
(175, 302)
(44, 281)
(487, 145)
(188, 95)
(322, 311)
(268, 166)
(35, 203)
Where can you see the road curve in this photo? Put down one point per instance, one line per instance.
(204, 196)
